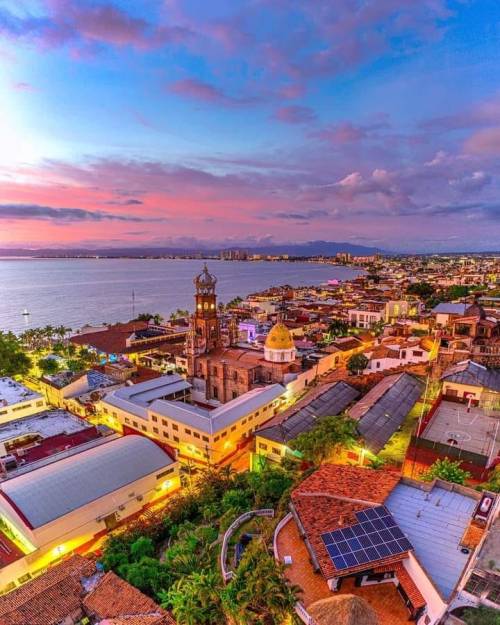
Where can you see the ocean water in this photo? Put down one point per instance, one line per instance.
(78, 291)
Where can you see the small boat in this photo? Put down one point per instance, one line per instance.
(25, 313)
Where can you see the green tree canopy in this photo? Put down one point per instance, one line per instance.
(13, 361)
(328, 436)
(448, 470)
(357, 363)
(481, 615)
(196, 599)
(259, 592)
(48, 365)
(422, 289)
(338, 327)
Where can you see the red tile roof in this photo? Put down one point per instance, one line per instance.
(329, 498)
(112, 340)
(48, 599)
(113, 597)
(406, 581)
(59, 593)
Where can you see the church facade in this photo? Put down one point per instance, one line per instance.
(222, 370)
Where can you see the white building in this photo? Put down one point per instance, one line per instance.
(52, 510)
(17, 400)
(393, 352)
(197, 433)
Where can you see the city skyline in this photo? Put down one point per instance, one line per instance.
(248, 123)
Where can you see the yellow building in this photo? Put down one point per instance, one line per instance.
(203, 434)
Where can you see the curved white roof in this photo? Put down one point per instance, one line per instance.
(55, 490)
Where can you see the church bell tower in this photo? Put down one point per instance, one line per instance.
(204, 335)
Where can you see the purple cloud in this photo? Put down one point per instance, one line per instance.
(295, 114)
(205, 92)
(484, 142)
(70, 21)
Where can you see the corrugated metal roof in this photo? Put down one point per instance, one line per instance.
(473, 374)
(146, 392)
(55, 490)
(386, 413)
(332, 402)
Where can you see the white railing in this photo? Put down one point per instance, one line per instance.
(227, 574)
(278, 529)
(303, 614)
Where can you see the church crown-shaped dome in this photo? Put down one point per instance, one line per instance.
(205, 280)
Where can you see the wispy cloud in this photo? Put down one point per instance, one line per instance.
(66, 215)
(295, 114)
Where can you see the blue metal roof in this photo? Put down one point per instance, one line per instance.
(435, 522)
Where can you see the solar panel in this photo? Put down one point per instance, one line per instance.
(375, 536)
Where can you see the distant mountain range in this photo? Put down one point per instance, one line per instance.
(310, 248)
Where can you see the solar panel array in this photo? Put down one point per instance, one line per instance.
(375, 536)
(332, 402)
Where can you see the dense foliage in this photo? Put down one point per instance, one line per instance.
(356, 363)
(337, 328)
(448, 470)
(326, 438)
(172, 554)
(13, 360)
(422, 289)
(481, 615)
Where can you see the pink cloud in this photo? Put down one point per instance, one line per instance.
(205, 92)
(23, 86)
(485, 142)
(295, 114)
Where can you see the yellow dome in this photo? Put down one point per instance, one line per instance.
(279, 338)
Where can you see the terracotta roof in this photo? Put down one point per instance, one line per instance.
(329, 498)
(110, 341)
(406, 581)
(60, 592)
(113, 597)
(49, 598)
(352, 482)
(472, 536)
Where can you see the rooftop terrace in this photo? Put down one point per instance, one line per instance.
(46, 424)
(12, 392)
(473, 430)
(434, 521)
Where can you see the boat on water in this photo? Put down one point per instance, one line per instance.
(25, 313)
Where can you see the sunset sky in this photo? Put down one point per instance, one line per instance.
(192, 122)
